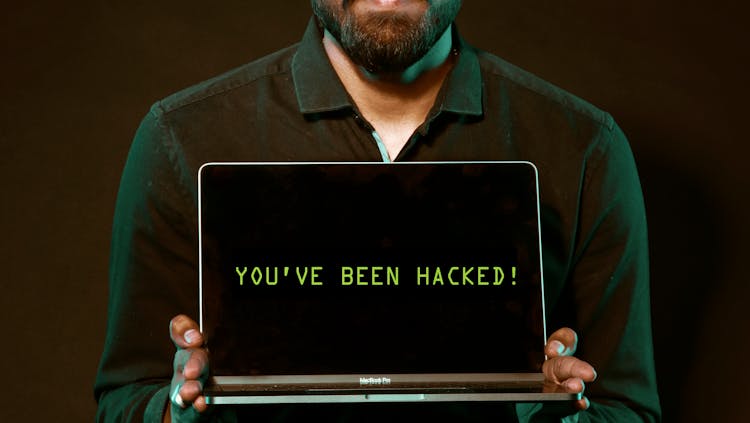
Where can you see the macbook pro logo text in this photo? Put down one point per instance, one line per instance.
(366, 381)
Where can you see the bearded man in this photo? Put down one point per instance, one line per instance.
(383, 80)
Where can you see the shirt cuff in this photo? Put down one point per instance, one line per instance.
(157, 406)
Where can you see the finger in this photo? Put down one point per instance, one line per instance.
(583, 404)
(559, 369)
(191, 364)
(562, 342)
(190, 391)
(184, 332)
(200, 404)
(196, 366)
(574, 385)
(174, 395)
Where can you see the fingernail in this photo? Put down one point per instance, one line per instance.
(191, 335)
(177, 398)
(557, 346)
(588, 403)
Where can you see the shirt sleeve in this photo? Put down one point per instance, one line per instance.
(608, 283)
(152, 277)
(605, 291)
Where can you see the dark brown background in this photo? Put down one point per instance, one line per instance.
(77, 78)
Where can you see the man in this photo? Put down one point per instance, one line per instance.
(383, 80)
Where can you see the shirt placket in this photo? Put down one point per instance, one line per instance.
(383, 151)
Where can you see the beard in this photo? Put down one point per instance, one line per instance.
(387, 42)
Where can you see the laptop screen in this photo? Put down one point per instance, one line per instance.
(347, 268)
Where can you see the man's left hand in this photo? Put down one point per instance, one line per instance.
(564, 370)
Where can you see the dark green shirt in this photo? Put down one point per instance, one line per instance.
(291, 106)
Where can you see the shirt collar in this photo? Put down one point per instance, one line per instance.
(317, 86)
(462, 89)
(319, 89)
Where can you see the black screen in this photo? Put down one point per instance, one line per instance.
(371, 268)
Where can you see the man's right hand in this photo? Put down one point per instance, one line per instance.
(186, 400)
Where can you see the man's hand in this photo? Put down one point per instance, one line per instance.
(190, 372)
(564, 370)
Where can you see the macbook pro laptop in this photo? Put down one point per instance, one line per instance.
(364, 282)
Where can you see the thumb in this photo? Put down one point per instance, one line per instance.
(185, 333)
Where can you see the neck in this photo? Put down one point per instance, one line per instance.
(395, 103)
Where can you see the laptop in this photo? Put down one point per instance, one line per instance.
(372, 282)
